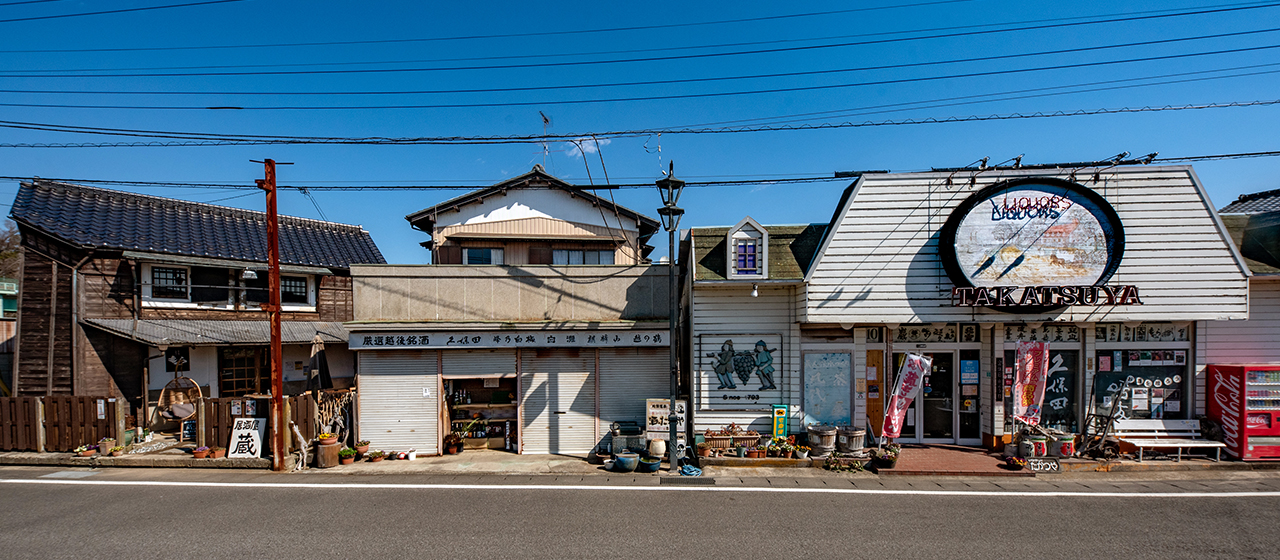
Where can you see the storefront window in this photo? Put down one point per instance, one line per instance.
(1060, 409)
(1143, 383)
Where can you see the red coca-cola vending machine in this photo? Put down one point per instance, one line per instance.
(1245, 400)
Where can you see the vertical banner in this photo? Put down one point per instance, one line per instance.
(914, 368)
(779, 421)
(1028, 388)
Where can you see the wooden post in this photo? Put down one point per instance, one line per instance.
(40, 424)
(272, 307)
(201, 422)
(288, 434)
(121, 409)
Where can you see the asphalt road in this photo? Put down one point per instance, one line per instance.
(137, 513)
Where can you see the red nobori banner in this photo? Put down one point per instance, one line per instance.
(910, 377)
(1028, 389)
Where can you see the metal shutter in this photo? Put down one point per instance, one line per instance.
(628, 376)
(558, 404)
(478, 363)
(394, 414)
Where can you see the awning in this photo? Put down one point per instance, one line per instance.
(222, 263)
(188, 332)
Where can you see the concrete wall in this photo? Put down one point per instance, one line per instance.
(509, 293)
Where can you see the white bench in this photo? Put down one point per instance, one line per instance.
(1180, 434)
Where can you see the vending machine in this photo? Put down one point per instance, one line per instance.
(1245, 400)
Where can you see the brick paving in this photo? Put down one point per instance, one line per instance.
(949, 460)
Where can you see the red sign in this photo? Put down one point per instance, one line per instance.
(1028, 389)
(910, 377)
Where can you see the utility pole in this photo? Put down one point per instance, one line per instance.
(272, 307)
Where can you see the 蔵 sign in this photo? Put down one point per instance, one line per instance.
(246, 438)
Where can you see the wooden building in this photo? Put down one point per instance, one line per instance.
(108, 277)
(1254, 223)
(534, 219)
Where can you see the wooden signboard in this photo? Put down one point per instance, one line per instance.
(876, 389)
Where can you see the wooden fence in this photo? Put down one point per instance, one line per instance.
(19, 423)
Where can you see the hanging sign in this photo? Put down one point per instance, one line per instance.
(247, 435)
(1028, 388)
(779, 421)
(910, 377)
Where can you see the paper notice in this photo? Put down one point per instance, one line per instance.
(872, 373)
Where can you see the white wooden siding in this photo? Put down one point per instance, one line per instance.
(730, 310)
(881, 263)
(1256, 340)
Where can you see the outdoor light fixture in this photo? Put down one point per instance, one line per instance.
(670, 187)
(248, 275)
(755, 291)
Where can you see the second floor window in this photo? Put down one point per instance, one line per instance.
(482, 256)
(747, 255)
(168, 282)
(293, 289)
(573, 256)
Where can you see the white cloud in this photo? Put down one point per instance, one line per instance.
(588, 146)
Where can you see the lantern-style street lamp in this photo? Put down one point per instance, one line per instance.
(670, 187)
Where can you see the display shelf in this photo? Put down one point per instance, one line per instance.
(482, 420)
(508, 405)
(1263, 383)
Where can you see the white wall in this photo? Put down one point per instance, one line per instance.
(1256, 340)
(534, 203)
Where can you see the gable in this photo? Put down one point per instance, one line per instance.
(522, 204)
(791, 250)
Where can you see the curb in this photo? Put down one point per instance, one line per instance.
(64, 460)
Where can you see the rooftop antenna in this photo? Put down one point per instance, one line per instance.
(546, 122)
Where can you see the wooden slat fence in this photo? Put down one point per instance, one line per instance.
(302, 411)
(70, 422)
(219, 418)
(19, 423)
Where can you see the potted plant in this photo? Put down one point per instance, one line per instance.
(327, 438)
(704, 449)
(1015, 463)
(375, 456)
(740, 451)
(200, 452)
(346, 456)
(218, 452)
(801, 452)
(117, 451)
(453, 443)
(362, 446)
(106, 443)
(85, 450)
(887, 456)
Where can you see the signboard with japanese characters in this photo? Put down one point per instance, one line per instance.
(507, 339)
(739, 371)
(247, 435)
(657, 423)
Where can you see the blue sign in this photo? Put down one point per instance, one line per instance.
(968, 372)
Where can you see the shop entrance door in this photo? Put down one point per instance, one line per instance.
(940, 414)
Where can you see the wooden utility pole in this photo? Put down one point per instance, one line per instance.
(272, 308)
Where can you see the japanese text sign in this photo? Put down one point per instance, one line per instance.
(246, 437)
(910, 376)
(1028, 388)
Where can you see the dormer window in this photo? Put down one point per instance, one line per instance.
(748, 247)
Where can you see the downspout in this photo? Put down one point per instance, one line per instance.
(75, 321)
(137, 298)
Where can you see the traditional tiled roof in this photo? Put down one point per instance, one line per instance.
(107, 219)
(1266, 201)
(791, 251)
(1257, 237)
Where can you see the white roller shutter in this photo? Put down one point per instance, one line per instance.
(457, 364)
(394, 413)
(558, 404)
(627, 377)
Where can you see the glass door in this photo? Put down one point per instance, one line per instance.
(937, 402)
(910, 428)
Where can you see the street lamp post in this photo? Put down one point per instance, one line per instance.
(670, 187)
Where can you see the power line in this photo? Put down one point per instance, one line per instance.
(631, 60)
(120, 11)
(7, 4)
(671, 81)
(507, 35)
(257, 140)
(599, 53)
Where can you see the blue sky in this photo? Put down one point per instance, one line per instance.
(564, 38)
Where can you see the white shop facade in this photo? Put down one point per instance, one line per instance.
(1112, 267)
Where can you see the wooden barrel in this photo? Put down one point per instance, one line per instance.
(327, 455)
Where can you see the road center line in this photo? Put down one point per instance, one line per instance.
(750, 489)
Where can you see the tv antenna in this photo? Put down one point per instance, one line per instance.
(546, 122)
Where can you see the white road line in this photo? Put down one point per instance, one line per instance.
(375, 486)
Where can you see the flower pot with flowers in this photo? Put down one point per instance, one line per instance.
(362, 446)
(200, 452)
(327, 438)
(217, 452)
(886, 457)
(375, 456)
(85, 450)
(801, 452)
(453, 443)
(105, 444)
(346, 456)
(704, 449)
(758, 452)
(117, 451)
(1015, 463)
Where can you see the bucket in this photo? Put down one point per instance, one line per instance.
(822, 436)
(1064, 445)
(850, 439)
(1039, 446)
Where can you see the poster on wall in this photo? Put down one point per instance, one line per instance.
(657, 418)
(826, 388)
(741, 371)
(1028, 388)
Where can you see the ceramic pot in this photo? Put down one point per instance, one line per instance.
(200, 454)
(218, 453)
(362, 449)
(649, 465)
(704, 452)
(740, 451)
(375, 459)
(329, 441)
(117, 453)
(627, 461)
(802, 454)
(88, 453)
(347, 460)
